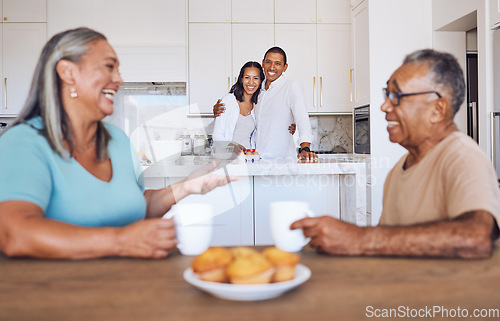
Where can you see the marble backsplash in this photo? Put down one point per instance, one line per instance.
(332, 133)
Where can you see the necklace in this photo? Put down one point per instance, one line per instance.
(82, 149)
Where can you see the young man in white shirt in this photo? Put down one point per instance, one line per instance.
(281, 102)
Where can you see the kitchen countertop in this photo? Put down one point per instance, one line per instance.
(327, 164)
(340, 288)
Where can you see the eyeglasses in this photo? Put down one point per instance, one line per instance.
(395, 97)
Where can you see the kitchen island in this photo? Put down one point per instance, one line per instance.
(340, 288)
(335, 185)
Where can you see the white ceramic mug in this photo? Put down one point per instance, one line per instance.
(281, 216)
(193, 226)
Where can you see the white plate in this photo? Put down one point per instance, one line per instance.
(251, 292)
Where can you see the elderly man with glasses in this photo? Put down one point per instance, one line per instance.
(442, 198)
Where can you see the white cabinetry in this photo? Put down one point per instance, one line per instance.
(209, 64)
(320, 191)
(233, 210)
(21, 44)
(334, 59)
(314, 34)
(312, 11)
(360, 73)
(319, 57)
(150, 38)
(295, 11)
(223, 35)
(24, 11)
(238, 11)
(299, 43)
(217, 51)
(249, 43)
(494, 13)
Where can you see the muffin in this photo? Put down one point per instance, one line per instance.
(250, 268)
(211, 264)
(284, 263)
(241, 251)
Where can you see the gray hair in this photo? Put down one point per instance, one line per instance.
(444, 70)
(44, 98)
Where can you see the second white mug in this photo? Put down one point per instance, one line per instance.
(281, 216)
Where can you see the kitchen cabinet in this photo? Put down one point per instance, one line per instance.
(310, 50)
(209, 64)
(315, 11)
(158, 63)
(360, 72)
(123, 22)
(24, 11)
(299, 43)
(150, 40)
(217, 51)
(233, 209)
(320, 191)
(21, 47)
(494, 14)
(236, 11)
(334, 59)
(249, 43)
(355, 3)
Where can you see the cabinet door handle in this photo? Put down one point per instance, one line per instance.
(350, 85)
(228, 84)
(5, 92)
(320, 91)
(314, 91)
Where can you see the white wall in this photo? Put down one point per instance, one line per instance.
(397, 28)
(454, 42)
(451, 15)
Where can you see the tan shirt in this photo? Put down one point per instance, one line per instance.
(453, 178)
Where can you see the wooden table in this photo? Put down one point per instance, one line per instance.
(340, 288)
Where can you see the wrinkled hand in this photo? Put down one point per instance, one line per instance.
(331, 236)
(292, 128)
(219, 108)
(307, 157)
(151, 238)
(201, 181)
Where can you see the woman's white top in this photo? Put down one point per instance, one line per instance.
(225, 124)
(243, 131)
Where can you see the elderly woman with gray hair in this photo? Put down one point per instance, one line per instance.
(71, 183)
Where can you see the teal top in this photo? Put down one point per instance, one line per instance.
(31, 171)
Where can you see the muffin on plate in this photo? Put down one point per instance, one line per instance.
(241, 251)
(251, 268)
(211, 264)
(284, 263)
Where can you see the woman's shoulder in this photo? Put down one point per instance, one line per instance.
(28, 132)
(115, 131)
(229, 97)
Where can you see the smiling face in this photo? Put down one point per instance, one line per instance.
(97, 79)
(274, 65)
(250, 80)
(409, 123)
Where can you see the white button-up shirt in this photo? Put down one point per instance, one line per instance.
(277, 108)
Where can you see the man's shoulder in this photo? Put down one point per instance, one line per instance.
(460, 146)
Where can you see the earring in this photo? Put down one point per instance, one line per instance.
(73, 93)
